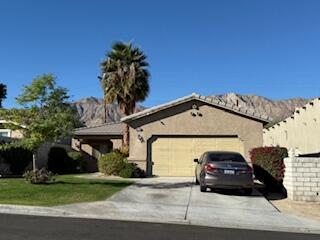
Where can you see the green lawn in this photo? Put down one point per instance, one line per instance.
(67, 189)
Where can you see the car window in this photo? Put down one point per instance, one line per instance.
(225, 157)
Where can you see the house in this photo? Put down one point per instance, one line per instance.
(7, 134)
(299, 133)
(165, 139)
(97, 140)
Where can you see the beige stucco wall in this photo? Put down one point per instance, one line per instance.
(300, 132)
(87, 148)
(43, 153)
(16, 134)
(179, 121)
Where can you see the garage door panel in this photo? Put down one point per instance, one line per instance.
(174, 156)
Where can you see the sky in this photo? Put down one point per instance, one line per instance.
(269, 48)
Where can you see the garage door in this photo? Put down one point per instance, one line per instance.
(173, 156)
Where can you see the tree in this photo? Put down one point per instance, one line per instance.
(125, 79)
(45, 115)
(3, 93)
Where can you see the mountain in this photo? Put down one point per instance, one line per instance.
(91, 109)
(276, 109)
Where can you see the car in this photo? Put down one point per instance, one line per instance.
(224, 170)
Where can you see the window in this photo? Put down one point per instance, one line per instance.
(4, 133)
(225, 157)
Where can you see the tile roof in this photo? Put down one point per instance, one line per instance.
(101, 130)
(208, 100)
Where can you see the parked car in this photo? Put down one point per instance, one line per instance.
(226, 170)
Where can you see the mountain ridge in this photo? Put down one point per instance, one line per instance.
(91, 109)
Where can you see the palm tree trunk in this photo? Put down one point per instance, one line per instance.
(126, 137)
(105, 112)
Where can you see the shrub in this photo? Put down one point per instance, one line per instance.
(59, 161)
(111, 163)
(80, 162)
(36, 176)
(268, 164)
(131, 170)
(16, 158)
(124, 151)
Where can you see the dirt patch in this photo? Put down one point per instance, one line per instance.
(302, 209)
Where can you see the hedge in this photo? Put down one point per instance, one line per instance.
(61, 162)
(17, 158)
(268, 164)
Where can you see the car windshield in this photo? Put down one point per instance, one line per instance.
(225, 157)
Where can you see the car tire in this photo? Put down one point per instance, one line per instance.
(203, 188)
(248, 191)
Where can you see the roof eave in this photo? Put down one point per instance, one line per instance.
(193, 96)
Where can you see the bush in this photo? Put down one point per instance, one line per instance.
(16, 158)
(124, 151)
(112, 163)
(41, 176)
(80, 162)
(131, 170)
(268, 164)
(59, 161)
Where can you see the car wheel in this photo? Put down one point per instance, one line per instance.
(203, 188)
(248, 191)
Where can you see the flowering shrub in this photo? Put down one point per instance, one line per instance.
(269, 160)
(37, 176)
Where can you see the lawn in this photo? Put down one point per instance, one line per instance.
(65, 190)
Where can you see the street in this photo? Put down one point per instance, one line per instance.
(14, 227)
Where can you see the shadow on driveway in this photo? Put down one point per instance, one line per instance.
(164, 185)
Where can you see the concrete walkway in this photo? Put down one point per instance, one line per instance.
(178, 200)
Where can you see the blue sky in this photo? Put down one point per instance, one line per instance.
(269, 48)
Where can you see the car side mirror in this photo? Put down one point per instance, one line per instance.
(196, 160)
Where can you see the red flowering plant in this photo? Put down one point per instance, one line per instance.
(268, 163)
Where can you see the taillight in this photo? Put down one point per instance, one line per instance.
(209, 167)
(248, 170)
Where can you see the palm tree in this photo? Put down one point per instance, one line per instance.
(125, 79)
(3, 93)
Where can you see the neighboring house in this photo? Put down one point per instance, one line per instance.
(299, 133)
(165, 139)
(97, 140)
(6, 133)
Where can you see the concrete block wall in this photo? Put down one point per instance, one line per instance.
(302, 178)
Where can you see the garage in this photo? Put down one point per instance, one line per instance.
(166, 138)
(173, 156)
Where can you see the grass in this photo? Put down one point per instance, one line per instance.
(65, 190)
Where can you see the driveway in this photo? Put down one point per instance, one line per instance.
(179, 200)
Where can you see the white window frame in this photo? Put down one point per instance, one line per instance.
(7, 131)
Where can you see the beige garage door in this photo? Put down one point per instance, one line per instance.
(174, 156)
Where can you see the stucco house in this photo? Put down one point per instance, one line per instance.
(165, 139)
(7, 134)
(299, 133)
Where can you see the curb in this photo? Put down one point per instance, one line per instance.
(52, 212)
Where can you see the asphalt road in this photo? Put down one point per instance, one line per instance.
(14, 227)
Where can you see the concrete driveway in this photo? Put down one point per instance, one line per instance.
(179, 200)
